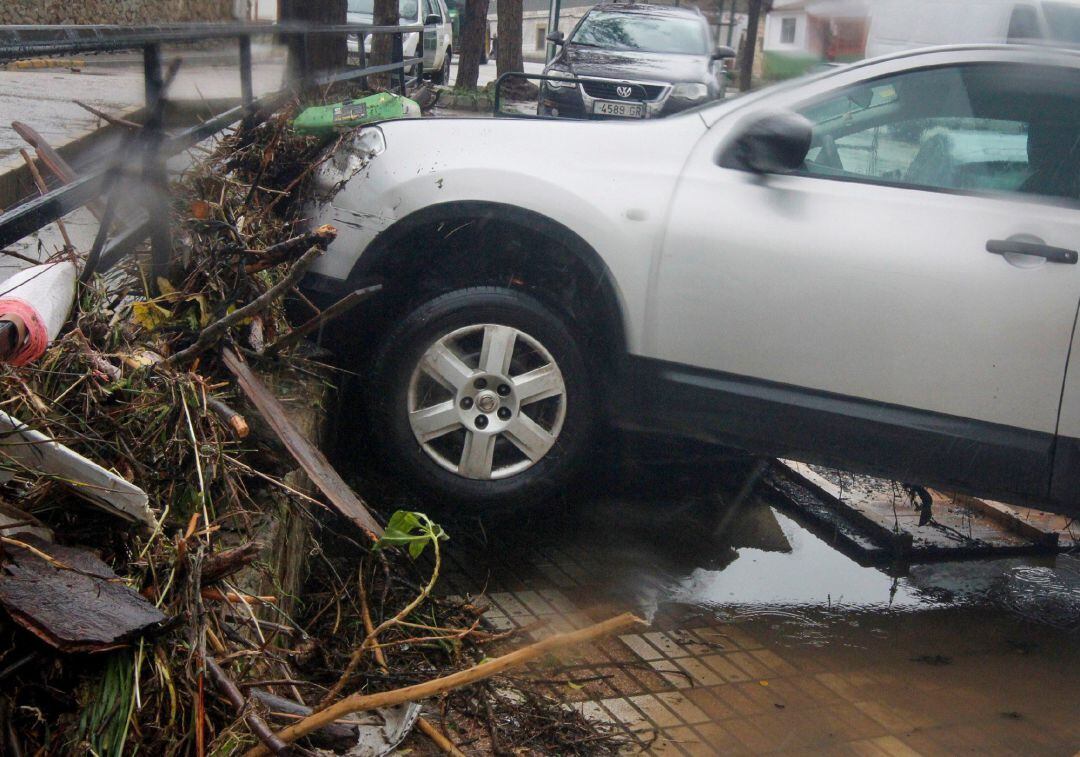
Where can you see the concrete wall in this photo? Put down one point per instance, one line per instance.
(113, 11)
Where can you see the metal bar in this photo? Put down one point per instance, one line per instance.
(38, 212)
(396, 56)
(363, 58)
(65, 39)
(247, 92)
(553, 26)
(154, 174)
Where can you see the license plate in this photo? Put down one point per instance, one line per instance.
(618, 109)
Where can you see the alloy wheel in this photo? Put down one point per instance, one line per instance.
(486, 401)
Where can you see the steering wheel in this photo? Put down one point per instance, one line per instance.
(829, 155)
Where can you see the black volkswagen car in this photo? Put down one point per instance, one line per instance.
(633, 61)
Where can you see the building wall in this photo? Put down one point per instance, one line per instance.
(113, 11)
(535, 27)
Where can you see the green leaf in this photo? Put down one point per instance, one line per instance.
(412, 530)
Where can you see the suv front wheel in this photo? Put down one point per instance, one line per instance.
(483, 400)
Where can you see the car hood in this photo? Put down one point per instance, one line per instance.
(621, 64)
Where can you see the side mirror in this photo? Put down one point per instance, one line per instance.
(433, 20)
(557, 38)
(775, 142)
(722, 52)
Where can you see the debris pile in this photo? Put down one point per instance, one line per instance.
(141, 455)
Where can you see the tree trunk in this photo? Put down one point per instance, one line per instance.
(509, 55)
(384, 13)
(471, 48)
(746, 60)
(323, 52)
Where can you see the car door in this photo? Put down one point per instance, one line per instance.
(850, 312)
(432, 59)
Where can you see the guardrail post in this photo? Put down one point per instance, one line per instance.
(397, 55)
(363, 58)
(154, 176)
(247, 92)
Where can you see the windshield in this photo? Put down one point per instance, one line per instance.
(407, 9)
(1063, 22)
(653, 34)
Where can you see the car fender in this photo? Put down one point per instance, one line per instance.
(617, 207)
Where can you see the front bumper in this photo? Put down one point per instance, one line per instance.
(562, 102)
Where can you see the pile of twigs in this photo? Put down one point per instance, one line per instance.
(137, 383)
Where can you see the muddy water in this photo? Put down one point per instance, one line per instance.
(978, 656)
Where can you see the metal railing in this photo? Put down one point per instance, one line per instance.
(151, 141)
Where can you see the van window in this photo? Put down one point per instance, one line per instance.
(1024, 24)
(976, 128)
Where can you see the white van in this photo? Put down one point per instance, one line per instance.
(897, 25)
(438, 37)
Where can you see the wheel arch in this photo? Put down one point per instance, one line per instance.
(390, 256)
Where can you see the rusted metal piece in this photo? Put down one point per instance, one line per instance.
(314, 462)
(69, 598)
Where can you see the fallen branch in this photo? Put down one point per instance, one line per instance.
(485, 670)
(235, 421)
(43, 189)
(223, 564)
(258, 726)
(215, 330)
(344, 305)
(290, 248)
(114, 120)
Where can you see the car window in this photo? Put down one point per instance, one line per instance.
(431, 8)
(980, 128)
(407, 9)
(642, 32)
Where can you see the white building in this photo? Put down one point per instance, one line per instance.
(802, 33)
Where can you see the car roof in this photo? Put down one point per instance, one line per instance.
(649, 9)
(1002, 51)
(964, 53)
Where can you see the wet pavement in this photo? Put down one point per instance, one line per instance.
(764, 638)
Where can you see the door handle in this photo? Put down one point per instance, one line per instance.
(1015, 247)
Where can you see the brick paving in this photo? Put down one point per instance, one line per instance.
(697, 683)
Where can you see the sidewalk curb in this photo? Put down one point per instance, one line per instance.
(31, 63)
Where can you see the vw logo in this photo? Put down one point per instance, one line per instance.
(623, 91)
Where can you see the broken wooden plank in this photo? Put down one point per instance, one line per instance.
(899, 542)
(310, 458)
(881, 510)
(32, 450)
(1003, 515)
(69, 598)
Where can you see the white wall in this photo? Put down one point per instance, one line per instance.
(774, 24)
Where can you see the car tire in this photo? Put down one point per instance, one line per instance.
(492, 429)
(442, 76)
